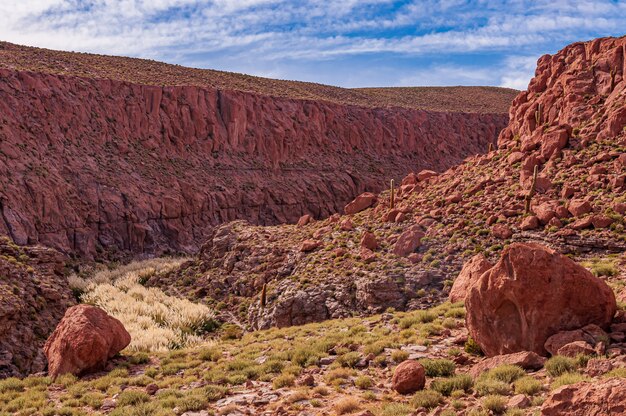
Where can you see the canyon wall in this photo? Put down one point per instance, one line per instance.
(98, 167)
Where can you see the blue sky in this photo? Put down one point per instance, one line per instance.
(351, 43)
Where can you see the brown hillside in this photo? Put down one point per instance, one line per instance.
(148, 72)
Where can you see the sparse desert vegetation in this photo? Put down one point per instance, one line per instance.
(156, 321)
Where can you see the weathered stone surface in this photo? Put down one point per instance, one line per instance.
(470, 273)
(368, 240)
(361, 202)
(528, 360)
(501, 231)
(600, 398)
(33, 297)
(408, 377)
(576, 348)
(590, 334)
(579, 207)
(309, 245)
(529, 223)
(85, 339)
(425, 175)
(408, 241)
(146, 169)
(531, 294)
(519, 401)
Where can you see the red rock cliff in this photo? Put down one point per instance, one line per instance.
(577, 95)
(94, 165)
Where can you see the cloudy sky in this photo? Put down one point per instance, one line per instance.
(340, 42)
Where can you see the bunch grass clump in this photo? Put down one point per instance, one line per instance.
(155, 320)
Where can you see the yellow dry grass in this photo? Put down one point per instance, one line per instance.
(156, 321)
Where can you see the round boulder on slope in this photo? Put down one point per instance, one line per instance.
(85, 339)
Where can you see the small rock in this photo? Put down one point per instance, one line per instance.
(519, 401)
(151, 389)
(309, 245)
(408, 377)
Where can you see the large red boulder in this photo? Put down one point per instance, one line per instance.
(408, 377)
(529, 295)
(408, 241)
(469, 275)
(361, 202)
(85, 339)
(600, 398)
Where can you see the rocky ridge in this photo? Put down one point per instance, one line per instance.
(329, 269)
(98, 164)
(33, 297)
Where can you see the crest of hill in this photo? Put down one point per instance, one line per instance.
(149, 72)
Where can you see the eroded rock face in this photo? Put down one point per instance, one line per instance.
(581, 87)
(600, 398)
(469, 275)
(139, 168)
(85, 339)
(531, 294)
(33, 297)
(528, 360)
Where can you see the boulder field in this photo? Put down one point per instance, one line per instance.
(97, 166)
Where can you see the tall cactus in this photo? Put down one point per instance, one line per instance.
(538, 115)
(613, 79)
(392, 200)
(264, 295)
(531, 193)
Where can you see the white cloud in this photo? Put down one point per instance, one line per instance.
(272, 32)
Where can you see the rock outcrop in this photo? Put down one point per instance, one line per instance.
(33, 297)
(471, 272)
(85, 339)
(97, 166)
(600, 398)
(529, 295)
(576, 95)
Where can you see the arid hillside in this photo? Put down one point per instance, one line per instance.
(103, 156)
(557, 178)
(147, 72)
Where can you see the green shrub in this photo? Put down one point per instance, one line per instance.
(395, 409)
(426, 398)
(494, 403)
(349, 359)
(363, 382)
(132, 398)
(488, 386)
(438, 367)
(283, 380)
(528, 385)
(506, 373)
(471, 347)
(567, 378)
(446, 386)
(417, 317)
(398, 356)
(558, 365)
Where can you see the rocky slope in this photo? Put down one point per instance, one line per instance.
(105, 155)
(407, 256)
(33, 297)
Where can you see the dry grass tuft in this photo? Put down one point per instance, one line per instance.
(155, 320)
